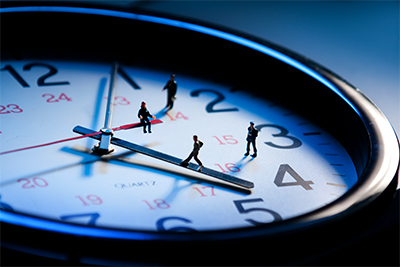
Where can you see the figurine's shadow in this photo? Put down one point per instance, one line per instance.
(242, 163)
(178, 173)
(87, 169)
(162, 113)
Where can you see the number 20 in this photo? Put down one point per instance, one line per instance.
(36, 182)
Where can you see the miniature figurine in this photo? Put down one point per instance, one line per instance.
(144, 115)
(251, 139)
(196, 149)
(171, 86)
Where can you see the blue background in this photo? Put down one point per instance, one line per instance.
(358, 40)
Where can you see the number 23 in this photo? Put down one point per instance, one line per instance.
(11, 108)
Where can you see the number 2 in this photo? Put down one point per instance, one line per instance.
(210, 106)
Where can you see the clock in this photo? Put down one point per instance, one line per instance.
(83, 180)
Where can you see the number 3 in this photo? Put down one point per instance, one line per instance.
(284, 134)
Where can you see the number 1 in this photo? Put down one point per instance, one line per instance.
(16, 76)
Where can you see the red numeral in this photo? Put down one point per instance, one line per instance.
(119, 100)
(3, 110)
(64, 97)
(50, 99)
(203, 192)
(178, 115)
(230, 167)
(36, 182)
(53, 99)
(90, 200)
(228, 138)
(159, 203)
(11, 108)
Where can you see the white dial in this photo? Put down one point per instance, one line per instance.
(299, 166)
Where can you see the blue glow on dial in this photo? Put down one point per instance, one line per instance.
(55, 226)
(27, 221)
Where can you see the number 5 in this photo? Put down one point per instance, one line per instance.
(241, 209)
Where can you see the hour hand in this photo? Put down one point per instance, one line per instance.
(167, 158)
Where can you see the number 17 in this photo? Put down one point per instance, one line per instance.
(204, 187)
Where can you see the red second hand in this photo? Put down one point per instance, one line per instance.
(123, 127)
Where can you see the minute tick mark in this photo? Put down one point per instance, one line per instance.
(312, 133)
(340, 185)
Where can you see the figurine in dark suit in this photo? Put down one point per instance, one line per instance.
(251, 139)
(144, 115)
(171, 86)
(196, 148)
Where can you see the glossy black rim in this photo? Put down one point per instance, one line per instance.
(369, 138)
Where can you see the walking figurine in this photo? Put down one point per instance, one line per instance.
(251, 139)
(171, 86)
(144, 115)
(196, 149)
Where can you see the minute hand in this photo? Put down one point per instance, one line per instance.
(167, 158)
(104, 145)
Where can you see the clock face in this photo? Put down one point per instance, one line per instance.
(299, 166)
(323, 148)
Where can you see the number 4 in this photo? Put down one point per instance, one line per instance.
(92, 217)
(299, 181)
